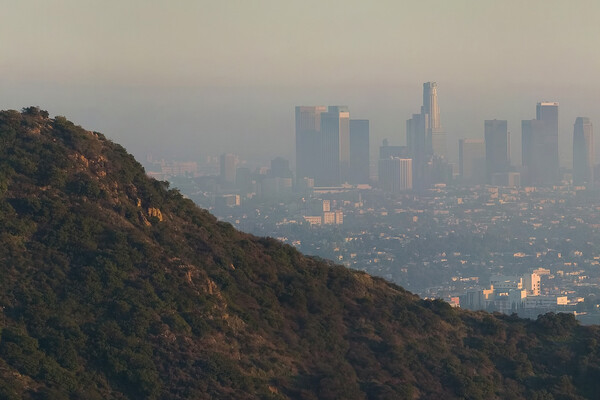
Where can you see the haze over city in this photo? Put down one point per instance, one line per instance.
(186, 79)
(299, 200)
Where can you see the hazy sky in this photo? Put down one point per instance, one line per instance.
(189, 78)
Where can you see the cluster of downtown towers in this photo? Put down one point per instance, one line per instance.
(332, 149)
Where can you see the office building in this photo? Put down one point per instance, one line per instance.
(308, 140)
(323, 144)
(431, 111)
(335, 147)
(497, 148)
(540, 146)
(243, 179)
(417, 139)
(548, 113)
(395, 174)
(426, 141)
(359, 151)
(532, 132)
(471, 154)
(425, 136)
(228, 164)
(583, 152)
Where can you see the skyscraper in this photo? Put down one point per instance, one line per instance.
(228, 164)
(471, 154)
(497, 148)
(532, 134)
(323, 144)
(308, 140)
(540, 146)
(431, 111)
(583, 152)
(359, 151)
(416, 136)
(426, 140)
(335, 147)
(395, 174)
(548, 113)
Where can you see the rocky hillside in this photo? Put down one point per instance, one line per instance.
(114, 287)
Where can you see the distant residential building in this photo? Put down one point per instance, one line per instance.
(169, 169)
(327, 217)
(180, 168)
(476, 299)
(339, 217)
(542, 271)
(583, 152)
(497, 147)
(228, 200)
(313, 219)
(531, 283)
(359, 151)
(501, 282)
(509, 294)
(471, 154)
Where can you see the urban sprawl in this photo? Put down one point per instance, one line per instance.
(488, 235)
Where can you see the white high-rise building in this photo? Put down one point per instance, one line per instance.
(395, 174)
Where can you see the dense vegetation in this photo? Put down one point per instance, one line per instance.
(114, 287)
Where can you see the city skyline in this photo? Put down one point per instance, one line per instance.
(336, 149)
(281, 200)
(328, 142)
(193, 77)
(331, 146)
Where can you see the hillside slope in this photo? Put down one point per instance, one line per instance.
(114, 287)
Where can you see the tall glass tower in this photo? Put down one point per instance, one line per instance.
(497, 147)
(583, 152)
(540, 146)
(426, 141)
(431, 111)
(308, 140)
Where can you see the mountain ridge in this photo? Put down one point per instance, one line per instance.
(115, 287)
